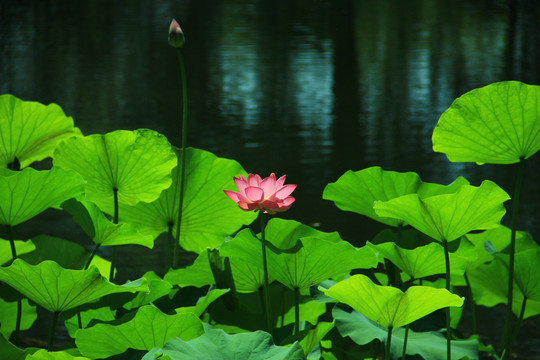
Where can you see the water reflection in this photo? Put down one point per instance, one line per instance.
(307, 88)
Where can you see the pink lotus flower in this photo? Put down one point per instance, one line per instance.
(267, 195)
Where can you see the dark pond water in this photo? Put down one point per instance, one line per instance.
(310, 89)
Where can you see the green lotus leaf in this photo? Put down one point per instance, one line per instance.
(356, 191)
(203, 302)
(389, 306)
(489, 293)
(449, 216)
(8, 351)
(136, 163)
(149, 328)
(216, 344)
(317, 260)
(429, 345)
(30, 131)
(21, 247)
(158, 288)
(208, 215)
(102, 314)
(284, 234)
(100, 229)
(8, 316)
(67, 254)
(426, 260)
(58, 289)
(314, 336)
(24, 194)
(197, 274)
(496, 124)
(526, 273)
(55, 355)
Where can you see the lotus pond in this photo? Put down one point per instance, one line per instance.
(261, 286)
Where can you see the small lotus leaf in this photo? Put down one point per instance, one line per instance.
(21, 247)
(58, 289)
(315, 335)
(30, 131)
(100, 229)
(496, 124)
(158, 288)
(55, 355)
(203, 302)
(136, 163)
(429, 345)
(356, 191)
(389, 306)
(8, 316)
(216, 344)
(208, 215)
(148, 329)
(24, 194)
(449, 216)
(102, 314)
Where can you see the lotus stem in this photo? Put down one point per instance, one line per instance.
(52, 331)
(169, 247)
(183, 145)
(507, 340)
(296, 312)
(520, 320)
(11, 237)
(473, 305)
(404, 355)
(115, 221)
(89, 261)
(448, 326)
(388, 344)
(265, 271)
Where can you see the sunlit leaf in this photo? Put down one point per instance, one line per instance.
(157, 288)
(356, 191)
(136, 163)
(318, 260)
(67, 254)
(30, 131)
(389, 306)
(426, 260)
(58, 289)
(100, 229)
(24, 194)
(449, 216)
(148, 329)
(8, 316)
(429, 345)
(102, 314)
(55, 355)
(208, 215)
(315, 335)
(496, 124)
(22, 247)
(203, 302)
(216, 344)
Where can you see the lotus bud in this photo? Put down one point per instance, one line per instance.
(176, 35)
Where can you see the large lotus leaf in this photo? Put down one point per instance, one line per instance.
(429, 345)
(496, 124)
(208, 215)
(216, 344)
(67, 254)
(100, 229)
(24, 194)
(149, 328)
(489, 293)
(426, 260)
(449, 216)
(21, 247)
(30, 131)
(389, 306)
(55, 355)
(8, 316)
(317, 260)
(526, 273)
(58, 289)
(136, 163)
(356, 191)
